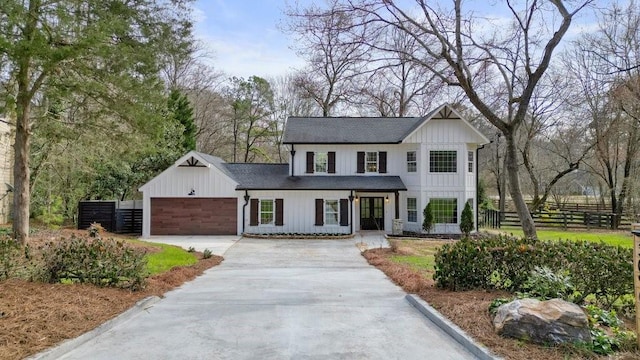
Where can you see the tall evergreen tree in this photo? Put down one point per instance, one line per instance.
(182, 112)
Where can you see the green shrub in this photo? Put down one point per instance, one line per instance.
(207, 254)
(9, 256)
(466, 220)
(604, 271)
(102, 262)
(427, 222)
(545, 284)
(614, 338)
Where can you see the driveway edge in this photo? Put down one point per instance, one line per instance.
(70, 344)
(450, 328)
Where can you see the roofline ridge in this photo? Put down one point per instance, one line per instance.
(247, 163)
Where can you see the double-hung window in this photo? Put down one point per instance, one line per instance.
(331, 212)
(412, 210)
(470, 160)
(321, 160)
(371, 161)
(412, 164)
(267, 212)
(443, 161)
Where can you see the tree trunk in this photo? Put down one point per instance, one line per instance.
(21, 194)
(511, 162)
(503, 185)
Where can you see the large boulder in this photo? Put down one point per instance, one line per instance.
(544, 322)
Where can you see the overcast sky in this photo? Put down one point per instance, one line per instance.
(244, 39)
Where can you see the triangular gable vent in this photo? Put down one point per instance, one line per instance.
(445, 113)
(192, 162)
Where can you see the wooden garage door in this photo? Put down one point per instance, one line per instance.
(193, 216)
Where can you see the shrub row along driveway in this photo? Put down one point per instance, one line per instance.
(280, 299)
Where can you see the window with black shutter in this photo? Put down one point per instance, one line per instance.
(319, 212)
(360, 164)
(279, 212)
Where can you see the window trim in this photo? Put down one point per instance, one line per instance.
(415, 209)
(337, 212)
(413, 162)
(316, 157)
(367, 162)
(273, 212)
(434, 165)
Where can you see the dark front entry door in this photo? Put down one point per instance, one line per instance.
(372, 213)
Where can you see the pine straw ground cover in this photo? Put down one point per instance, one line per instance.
(36, 316)
(467, 309)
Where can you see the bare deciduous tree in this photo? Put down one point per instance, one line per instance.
(498, 69)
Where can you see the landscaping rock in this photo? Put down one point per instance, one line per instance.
(544, 322)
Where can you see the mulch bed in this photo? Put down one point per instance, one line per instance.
(36, 316)
(469, 310)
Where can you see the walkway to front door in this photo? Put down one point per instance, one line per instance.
(371, 213)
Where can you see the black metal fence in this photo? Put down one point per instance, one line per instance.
(110, 217)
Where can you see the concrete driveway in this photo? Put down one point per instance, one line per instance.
(280, 299)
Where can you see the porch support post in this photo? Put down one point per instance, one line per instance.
(397, 205)
(351, 197)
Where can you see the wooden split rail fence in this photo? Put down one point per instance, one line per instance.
(556, 219)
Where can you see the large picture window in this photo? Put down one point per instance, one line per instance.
(371, 161)
(443, 161)
(266, 212)
(331, 212)
(445, 211)
(412, 165)
(321, 160)
(412, 210)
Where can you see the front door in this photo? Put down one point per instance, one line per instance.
(372, 213)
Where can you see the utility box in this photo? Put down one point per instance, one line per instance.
(396, 228)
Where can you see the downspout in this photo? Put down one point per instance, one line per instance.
(477, 183)
(351, 197)
(244, 208)
(293, 163)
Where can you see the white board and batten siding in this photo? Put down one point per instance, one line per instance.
(179, 181)
(299, 212)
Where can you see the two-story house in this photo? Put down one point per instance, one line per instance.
(344, 175)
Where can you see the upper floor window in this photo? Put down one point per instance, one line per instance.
(470, 158)
(331, 212)
(412, 164)
(321, 161)
(412, 210)
(266, 212)
(371, 161)
(443, 161)
(445, 210)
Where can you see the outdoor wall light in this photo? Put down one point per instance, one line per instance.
(387, 198)
(192, 192)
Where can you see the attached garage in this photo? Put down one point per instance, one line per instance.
(194, 216)
(195, 196)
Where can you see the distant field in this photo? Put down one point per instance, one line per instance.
(621, 238)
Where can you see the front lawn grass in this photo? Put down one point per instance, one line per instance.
(417, 254)
(615, 238)
(167, 258)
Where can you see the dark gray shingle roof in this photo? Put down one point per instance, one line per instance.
(276, 176)
(348, 130)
